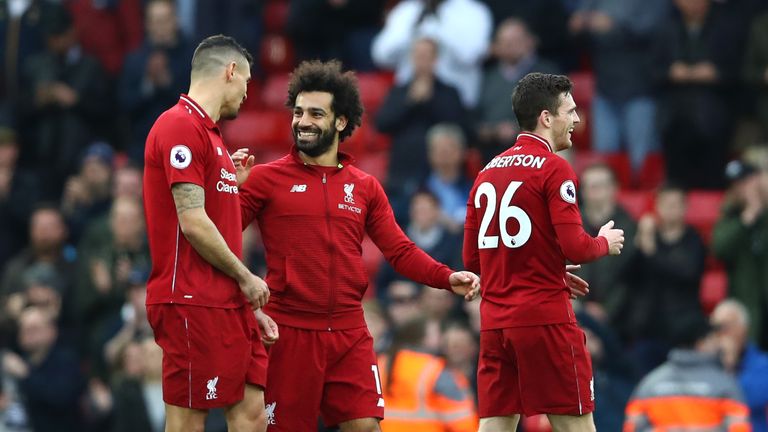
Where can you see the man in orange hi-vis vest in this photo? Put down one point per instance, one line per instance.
(421, 393)
(690, 392)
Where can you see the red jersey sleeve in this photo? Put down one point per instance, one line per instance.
(183, 152)
(253, 195)
(470, 252)
(560, 189)
(406, 258)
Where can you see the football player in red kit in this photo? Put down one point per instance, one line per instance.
(522, 225)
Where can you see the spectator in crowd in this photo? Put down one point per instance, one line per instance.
(436, 309)
(378, 324)
(138, 393)
(515, 53)
(461, 30)
(666, 275)
(132, 323)
(740, 239)
(402, 301)
(613, 374)
(743, 358)
(47, 373)
(408, 111)
(239, 19)
(108, 30)
(609, 278)
(104, 274)
(690, 391)
(697, 58)
(47, 245)
(460, 347)
(619, 36)
(421, 392)
(429, 233)
(755, 72)
(63, 106)
(154, 75)
(446, 152)
(547, 19)
(20, 24)
(18, 194)
(341, 29)
(86, 195)
(127, 182)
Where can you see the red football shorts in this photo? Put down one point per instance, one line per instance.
(534, 370)
(208, 354)
(331, 373)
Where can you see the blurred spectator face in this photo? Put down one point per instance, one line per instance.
(61, 43)
(424, 57)
(126, 221)
(127, 183)
(459, 346)
(730, 325)
(513, 42)
(133, 360)
(424, 211)
(693, 9)
(437, 303)
(472, 309)
(670, 207)
(748, 188)
(9, 148)
(594, 345)
(45, 297)
(47, 231)
(446, 153)
(153, 359)
(37, 331)
(161, 23)
(375, 320)
(598, 187)
(403, 302)
(96, 173)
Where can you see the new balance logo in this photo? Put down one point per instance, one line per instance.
(299, 188)
(211, 388)
(381, 403)
(270, 410)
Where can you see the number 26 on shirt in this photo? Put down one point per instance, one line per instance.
(506, 211)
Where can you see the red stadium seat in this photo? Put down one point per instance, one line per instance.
(653, 172)
(374, 87)
(375, 164)
(636, 203)
(713, 289)
(275, 91)
(276, 16)
(260, 131)
(276, 54)
(365, 139)
(253, 102)
(704, 211)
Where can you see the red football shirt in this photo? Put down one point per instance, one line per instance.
(516, 206)
(185, 146)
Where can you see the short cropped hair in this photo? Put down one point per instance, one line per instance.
(327, 77)
(535, 93)
(216, 51)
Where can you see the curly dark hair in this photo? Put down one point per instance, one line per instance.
(328, 77)
(535, 93)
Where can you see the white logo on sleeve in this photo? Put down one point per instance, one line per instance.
(592, 389)
(270, 410)
(181, 157)
(211, 388)
(568, 192)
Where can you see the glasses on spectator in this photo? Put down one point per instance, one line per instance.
(402, 300)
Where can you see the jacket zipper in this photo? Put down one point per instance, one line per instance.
(332, 253)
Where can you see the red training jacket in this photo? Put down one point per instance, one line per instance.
(312, 220)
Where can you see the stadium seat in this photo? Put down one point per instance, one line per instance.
(374, 87)
(636, 203)
(713, 289)
(653, 172)
(473, 163)
(260, 131)
(704, 211)
(276, 16)
(253, 102)
(274, 91)
(375, 164)
(365, 139)
(276, 54)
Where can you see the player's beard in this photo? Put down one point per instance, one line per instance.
(321, 143)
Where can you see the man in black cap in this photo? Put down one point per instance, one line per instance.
(740, 240)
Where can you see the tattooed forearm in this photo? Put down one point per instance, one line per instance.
(187, 196)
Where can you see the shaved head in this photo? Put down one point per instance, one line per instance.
(216, 52)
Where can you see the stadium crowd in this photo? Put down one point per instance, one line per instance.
(673, 146)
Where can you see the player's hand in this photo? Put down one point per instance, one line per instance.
(255, 290)
(465, 283)
(269, 331)
(614, 236)
(578, 286)
(243, 164)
